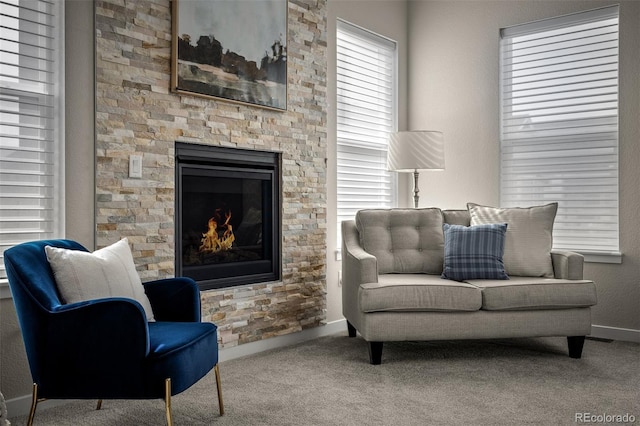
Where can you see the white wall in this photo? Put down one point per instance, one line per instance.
(453, 80)
(387, 18)
(80, 123)
(453, 87)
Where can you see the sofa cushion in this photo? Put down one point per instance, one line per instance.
(523, 293)
(406, 241)
(474, 252)
(528, 242)
(418, 292)
(457, 217)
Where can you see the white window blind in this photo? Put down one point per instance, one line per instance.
(559, 127)
(31, 122)
(366, 103)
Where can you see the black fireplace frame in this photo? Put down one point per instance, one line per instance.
(224, 159)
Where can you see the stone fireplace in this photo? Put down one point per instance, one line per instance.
(227, 215)
(137, 114)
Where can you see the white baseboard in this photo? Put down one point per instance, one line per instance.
(21, 405)
(333, 327)
(615, 333)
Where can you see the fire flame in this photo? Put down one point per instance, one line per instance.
(215, 240)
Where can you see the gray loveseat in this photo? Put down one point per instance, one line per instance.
(392, 289)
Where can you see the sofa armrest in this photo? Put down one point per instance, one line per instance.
(567, 264)
(358, 266)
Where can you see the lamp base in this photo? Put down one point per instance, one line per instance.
(415, 189)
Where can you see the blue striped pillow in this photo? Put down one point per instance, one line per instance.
(474, 252)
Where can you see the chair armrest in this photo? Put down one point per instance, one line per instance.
(567, 264)
(102, 319)
(90, 345)
(358, 266)
(174, 299)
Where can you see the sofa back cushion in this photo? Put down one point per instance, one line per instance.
(457, 217)
(405, 241)
(529, 239)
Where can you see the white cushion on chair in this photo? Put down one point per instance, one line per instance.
(108, 272)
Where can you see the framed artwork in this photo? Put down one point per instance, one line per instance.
(231, 50)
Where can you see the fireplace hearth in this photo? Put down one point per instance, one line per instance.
(227, 215)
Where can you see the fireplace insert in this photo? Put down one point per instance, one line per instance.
(227, 215)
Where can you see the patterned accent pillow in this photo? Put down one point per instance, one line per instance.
(474, 252)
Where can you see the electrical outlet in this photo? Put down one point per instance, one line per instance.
(135, 166)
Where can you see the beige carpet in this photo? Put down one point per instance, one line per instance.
(329, 381)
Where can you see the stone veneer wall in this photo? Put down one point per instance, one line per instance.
(138, 114)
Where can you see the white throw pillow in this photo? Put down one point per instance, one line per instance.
(108, 272)
(528, 241)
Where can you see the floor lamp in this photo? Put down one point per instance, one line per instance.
(412, 151)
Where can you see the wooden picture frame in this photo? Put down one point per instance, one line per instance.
(231, 50)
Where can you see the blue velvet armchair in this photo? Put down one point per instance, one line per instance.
(105, 348)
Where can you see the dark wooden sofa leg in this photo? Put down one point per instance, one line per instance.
(375, 353)
(575, 346)
(351, 329)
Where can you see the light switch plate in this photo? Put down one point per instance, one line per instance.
(135, 166)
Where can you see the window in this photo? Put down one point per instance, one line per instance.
(366, 104)
(31, 122)
(559, 125)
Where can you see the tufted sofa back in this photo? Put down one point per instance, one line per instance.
(404, 241)
(407, 241)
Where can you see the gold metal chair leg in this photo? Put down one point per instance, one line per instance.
(216, 369)
(167, 400)
(34, 403)
(99, 406)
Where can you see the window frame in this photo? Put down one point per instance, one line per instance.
(506, 144)
(383, 42)
(55, 118)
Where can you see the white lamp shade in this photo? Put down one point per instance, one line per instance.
(410, 151)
